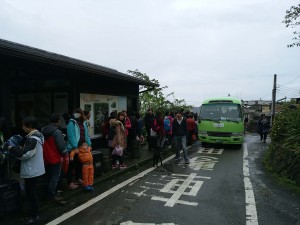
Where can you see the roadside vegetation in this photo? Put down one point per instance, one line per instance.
(156, 98)
(292, 20)
(283, 155)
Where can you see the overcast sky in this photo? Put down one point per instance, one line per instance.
(198, 48)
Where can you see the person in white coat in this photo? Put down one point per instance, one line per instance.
(32, 163)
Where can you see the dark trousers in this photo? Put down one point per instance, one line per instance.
(263, 135)
(116, 158)
(32, 195)
(74, 167)
(53, 175)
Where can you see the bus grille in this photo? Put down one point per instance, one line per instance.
(219, 134)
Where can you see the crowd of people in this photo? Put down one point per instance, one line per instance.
(48, 152)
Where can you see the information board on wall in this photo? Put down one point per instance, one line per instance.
(100, 107)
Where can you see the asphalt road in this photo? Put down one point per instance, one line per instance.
(220, 186)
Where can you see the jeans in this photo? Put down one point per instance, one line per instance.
(53, 175)
(180, 142)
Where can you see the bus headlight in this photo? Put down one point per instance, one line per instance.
(237, 134)
(203, 133)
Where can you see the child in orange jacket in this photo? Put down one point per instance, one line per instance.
(86, 158)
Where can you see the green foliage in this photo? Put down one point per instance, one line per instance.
(292, 18)
(286, 128)
(155, 98)
(283, 155)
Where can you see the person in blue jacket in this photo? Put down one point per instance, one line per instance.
(77, 130)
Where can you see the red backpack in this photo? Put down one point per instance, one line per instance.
(154, 126)
(51, 153)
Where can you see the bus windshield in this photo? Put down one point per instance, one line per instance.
(221, 112)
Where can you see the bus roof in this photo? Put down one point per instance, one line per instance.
(222, 100)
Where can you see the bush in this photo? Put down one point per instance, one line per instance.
(283, 155)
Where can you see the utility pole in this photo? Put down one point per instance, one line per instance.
(273, 99)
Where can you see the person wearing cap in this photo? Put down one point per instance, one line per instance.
(180, 132)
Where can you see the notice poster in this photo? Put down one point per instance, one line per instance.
(100, 107)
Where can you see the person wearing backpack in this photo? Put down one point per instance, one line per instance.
(168, 121)
(54, 149)
(158, 127)
(148, 121)
(32, 164)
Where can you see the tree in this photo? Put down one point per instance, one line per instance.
(292, 19)
(154, 97)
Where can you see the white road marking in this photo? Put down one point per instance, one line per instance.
(203, 163)
(184, 175)
(216, 151)
(107, 193)
(132, 223)
(251, 213)
(103, 195)
(180, 190)
(179, 202)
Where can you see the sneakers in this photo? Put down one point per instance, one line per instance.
(114, 166)
(32, 220)
(178, 159)
(79, 182)
(87, 188)
(58, 200)
(73, 186)
(123, 166)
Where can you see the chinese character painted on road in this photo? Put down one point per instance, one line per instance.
(215, 151)
(180, 187)
(203, 163)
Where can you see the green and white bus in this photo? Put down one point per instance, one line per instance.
(221, 121)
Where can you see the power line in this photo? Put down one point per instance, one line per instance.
(285, 87)
(289, 95)
(288, 91)
(292, 80)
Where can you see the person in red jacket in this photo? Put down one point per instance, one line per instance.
(160, 130)
(54, 149)
(191, 126)
(127, 150)
(86, 158)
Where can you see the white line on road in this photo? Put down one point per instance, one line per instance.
(251, 213)
(102, 196)
(132, 223)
